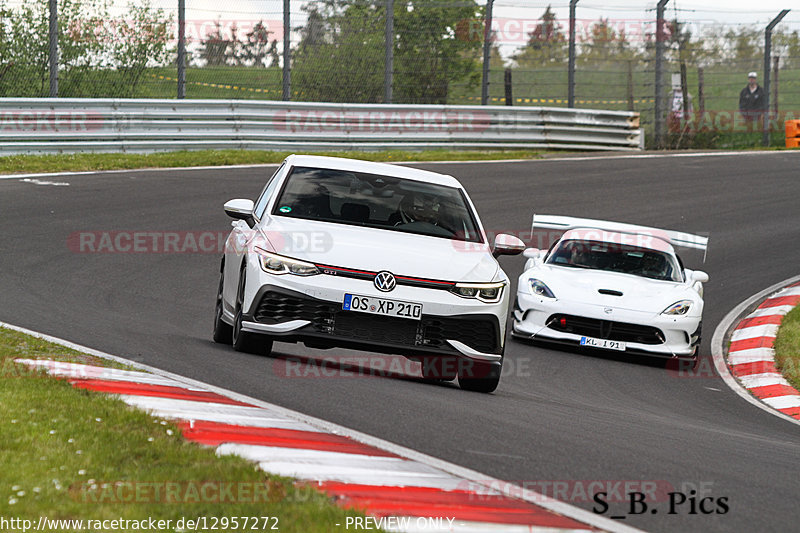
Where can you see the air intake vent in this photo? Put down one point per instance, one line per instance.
(609, 292)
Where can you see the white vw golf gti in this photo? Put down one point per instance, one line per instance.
(611, 286)
(346, 253)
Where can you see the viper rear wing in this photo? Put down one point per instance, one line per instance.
(562, 224)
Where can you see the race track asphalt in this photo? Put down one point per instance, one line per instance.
(558, 416)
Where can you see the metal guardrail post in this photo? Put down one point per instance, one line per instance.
(487, 47)
(659, 96)
(53, 48)
(388, 68)
(181, 48)
(571, 66)
(287, 56)
(767, 60)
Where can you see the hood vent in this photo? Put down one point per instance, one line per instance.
(609, 292)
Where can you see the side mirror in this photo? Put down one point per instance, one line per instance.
(505, 244)
(699, 275)
(533, 253)
(240, 209)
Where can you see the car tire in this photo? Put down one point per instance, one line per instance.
(477, 376)
(223, 332)
(244, 341)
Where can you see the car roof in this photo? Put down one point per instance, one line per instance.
(639, 239)
(383, 169)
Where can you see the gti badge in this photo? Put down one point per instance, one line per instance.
(384, 281)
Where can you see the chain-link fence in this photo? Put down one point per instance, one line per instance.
(339, 52)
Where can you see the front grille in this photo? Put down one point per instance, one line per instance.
(479, 333)
(276, 307)
(606, 329)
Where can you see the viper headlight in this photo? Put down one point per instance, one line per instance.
(678, 308)
(540, 289)
(278, 264)
(485, 292)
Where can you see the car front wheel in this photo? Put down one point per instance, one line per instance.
(222, 331)
(242, 340)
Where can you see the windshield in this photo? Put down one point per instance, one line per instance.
(616, 258)
(375, 201)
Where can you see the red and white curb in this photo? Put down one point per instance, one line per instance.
(410, 491)
(751, 357)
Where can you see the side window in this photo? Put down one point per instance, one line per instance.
(263, 200)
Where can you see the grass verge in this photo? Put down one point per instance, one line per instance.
(116, 161)
(69, 454)
(787, 347)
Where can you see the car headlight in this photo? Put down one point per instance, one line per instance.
(485, 292)
(540, 289)
(278, 264)
(678, 308)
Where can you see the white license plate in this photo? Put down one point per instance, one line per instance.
(379, 306)
(603, 343)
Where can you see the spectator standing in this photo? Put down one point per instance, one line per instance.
(752, 101)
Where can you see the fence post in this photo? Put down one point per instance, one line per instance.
(508, 83)
(287, 71)
(659, 93)
(181, 48)
(388, 67)
(630, 85)
(487, 46)
(701, 95)
(571, 67)
(775, 67)
(767, 57)
(53, 59)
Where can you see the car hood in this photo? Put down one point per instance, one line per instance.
(374, 250)
(638, 293)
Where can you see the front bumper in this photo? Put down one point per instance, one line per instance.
(294, 316)
(646, 333)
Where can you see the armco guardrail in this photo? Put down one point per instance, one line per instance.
(63, 125)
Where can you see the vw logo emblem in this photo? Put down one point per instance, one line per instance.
(384, 281)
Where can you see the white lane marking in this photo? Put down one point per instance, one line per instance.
(131, 170)
(361, 475)
(752, 355)
(718, 345)
(788, 291)
(476, 479)
(495, 161)
(779, 310)
(215, 412)
(763, 380)
(43, 182)
(753, 332)
(264, 452)
(783, 402)
(713, 388)
(81, 371)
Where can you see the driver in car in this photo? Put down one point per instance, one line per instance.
(418, 208)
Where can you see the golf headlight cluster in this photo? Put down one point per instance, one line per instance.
(485, 292)
(278, 264)
(678, 308)
(540, 289)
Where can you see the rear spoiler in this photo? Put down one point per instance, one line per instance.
(675, 238)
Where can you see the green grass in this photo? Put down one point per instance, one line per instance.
(73, 454)
(114, 161)
(787, 348)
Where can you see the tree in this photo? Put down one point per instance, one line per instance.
(99, 55)
(606, 44)
(340, 56)
(546, 43)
